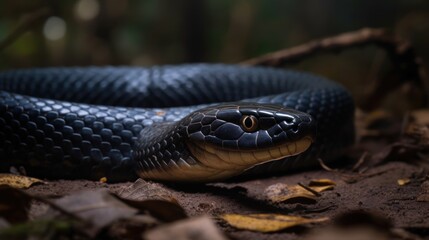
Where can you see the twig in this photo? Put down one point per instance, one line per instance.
(25, 23)
(324, 166)
(406, 65)
(360, 161)
(310, 190)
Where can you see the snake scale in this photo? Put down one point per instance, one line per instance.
(195, 122)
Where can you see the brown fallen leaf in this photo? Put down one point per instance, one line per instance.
(144, 190)
(163, 210)
(281, 192)
(321, 185)
(18, 181)
(14, 204)
(99, 207)
(354, 225)
(133, 227)
(356, 233)
(320, 189)
(267, 222)
(321, 182)
(194, 228)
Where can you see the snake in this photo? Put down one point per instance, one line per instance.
(187, 122)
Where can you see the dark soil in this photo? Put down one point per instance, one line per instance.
(378, 194)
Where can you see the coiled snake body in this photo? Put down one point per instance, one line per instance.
(197, 122)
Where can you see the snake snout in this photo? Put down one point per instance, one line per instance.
(297, 125)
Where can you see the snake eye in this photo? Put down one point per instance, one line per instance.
(249, 123)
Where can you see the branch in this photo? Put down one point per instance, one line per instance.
(407, 67)
(25, 23)
(335, 44)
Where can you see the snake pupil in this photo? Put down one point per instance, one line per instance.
(249, 123)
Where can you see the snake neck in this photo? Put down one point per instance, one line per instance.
(162, 153)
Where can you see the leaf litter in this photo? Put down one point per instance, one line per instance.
(18, 181)
(267, 222)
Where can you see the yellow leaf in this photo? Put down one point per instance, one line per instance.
(322, 188)
(281, 192)
(321, 182)
(18, 181)
(403, 181)
(266, 222)
(320, 185)
(103, 180)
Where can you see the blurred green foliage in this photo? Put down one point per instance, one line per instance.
(149, 32)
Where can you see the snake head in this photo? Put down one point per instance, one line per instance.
(227, 139)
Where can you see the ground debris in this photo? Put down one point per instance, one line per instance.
(267, 222)
(403, 181)
(321, 185)
(360, 225)
(143, 190)
(281, 192)
(194, 228)
(300, 193)
(133, 227)
(90, 214)
(98, 208)
(18, 181)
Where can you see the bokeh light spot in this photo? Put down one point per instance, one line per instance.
(54, 28)
(87, 9)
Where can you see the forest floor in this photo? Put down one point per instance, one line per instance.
(379, 194)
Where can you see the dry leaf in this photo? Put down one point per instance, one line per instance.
(321, 182)
(322, 188)
(354, 225)
(195, 228)
(133, 227)
(144, 190)
(281, 192)
(267, 222)
(321, 185)
(98, 207)
(403, 181)
(161, 209)
(18, 181)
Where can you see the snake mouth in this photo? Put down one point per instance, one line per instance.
(217, 157)
(215, 163)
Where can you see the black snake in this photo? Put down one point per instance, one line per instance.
(198, 122)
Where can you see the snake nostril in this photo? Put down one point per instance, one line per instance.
(294, 129)
(289, 120)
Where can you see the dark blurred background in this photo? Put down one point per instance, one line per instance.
(149, 32)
